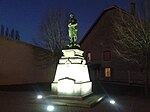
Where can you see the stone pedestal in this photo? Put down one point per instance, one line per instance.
(72, 76)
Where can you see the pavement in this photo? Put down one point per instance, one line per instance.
(127, 99)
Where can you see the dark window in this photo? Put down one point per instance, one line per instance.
(107, 55)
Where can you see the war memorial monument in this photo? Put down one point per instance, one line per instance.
(72, 76)
(71, 85)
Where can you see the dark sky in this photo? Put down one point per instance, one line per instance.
(26, 15)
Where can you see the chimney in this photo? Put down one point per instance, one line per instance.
(132, 8)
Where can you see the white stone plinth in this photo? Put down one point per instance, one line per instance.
(72, 76)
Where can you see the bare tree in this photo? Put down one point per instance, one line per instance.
(12, 33)
(2, 30)
(132, 42)
(7, 32)
(53, 36)
(17, 35)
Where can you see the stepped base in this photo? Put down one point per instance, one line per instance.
(87, 102)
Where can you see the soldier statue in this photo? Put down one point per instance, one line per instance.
(72, 29)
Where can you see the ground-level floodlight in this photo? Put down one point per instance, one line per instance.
(112, 101)
(50, 108)
(39, 96)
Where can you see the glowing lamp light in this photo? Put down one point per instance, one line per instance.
(39, 96)
(50, 108)
(112, 101)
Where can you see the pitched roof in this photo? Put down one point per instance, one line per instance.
(99, 17)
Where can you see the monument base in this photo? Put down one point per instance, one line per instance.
(72, 76)
(71, 97)
(74, 101)
(68, 88)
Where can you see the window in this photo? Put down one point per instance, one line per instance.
(107, 55)
(107, 72)
(89, 56)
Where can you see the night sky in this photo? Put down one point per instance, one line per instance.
(26, 15)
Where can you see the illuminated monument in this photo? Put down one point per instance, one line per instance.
(72, 76)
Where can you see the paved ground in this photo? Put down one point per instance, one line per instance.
(128, 99)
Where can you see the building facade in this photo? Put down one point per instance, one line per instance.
(18, 64)
(98, 47)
